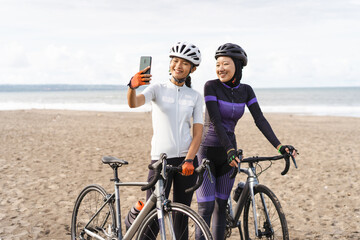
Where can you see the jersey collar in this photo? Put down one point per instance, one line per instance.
(228, 86)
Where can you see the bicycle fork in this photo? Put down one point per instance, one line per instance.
(160, 204)
(252, 183)
(251, 188)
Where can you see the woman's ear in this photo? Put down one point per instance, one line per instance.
(193, 69)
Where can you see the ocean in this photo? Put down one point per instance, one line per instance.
(329, 101)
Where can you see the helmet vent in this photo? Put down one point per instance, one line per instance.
(182, 48)
(187, 50)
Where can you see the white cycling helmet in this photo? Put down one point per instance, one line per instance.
(186, 51)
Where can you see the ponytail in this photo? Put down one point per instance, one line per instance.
(188, 81)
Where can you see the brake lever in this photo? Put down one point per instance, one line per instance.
(293, 158)
(236, 170)
(208, 170)
(164, 163)
(241, 157)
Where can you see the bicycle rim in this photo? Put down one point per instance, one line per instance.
(270, 219)
(185, 222)
(89, 201)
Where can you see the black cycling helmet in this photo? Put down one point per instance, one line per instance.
(232, 50)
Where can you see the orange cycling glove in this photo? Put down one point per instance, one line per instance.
(187, 167)
(138, 80)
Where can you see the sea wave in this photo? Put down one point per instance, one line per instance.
(321, 110)
(101, 107)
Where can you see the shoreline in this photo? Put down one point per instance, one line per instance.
(147, 109)
(48, 156)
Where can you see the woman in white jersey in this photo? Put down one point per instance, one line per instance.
(174, 105)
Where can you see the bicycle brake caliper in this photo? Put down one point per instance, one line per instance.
(107, 197)
(167, 205)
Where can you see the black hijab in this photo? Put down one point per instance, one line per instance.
(235, 80)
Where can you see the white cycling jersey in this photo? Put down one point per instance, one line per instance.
(172, 110)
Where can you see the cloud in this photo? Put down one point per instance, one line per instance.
(13, 56)
(301, 43)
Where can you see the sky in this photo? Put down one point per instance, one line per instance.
(289, 43)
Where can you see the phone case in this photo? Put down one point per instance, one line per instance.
(144, 62)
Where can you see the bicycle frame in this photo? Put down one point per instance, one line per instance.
(157, 198)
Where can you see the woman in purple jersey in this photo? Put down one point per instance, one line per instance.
(225, 100)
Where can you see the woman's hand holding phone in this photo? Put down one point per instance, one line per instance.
(140, 79)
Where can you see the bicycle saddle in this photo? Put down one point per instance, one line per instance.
(111, 160)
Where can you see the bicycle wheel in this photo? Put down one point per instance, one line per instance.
(270, 216)
(89, 201)
(184, 222)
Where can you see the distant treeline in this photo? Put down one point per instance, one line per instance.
(58, 87)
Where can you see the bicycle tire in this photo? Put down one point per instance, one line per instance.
(149, 229)
(277, 218)
(228, 224)
(89, 201)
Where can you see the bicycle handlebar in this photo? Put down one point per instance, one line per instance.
(200, 171)
(157, 167)
(287, 162)
(157, 170)
(256, 159)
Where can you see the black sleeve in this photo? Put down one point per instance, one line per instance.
(215, 116)
(261, 121)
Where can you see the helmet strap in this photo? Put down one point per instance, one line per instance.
(182, 79)
(179, 80)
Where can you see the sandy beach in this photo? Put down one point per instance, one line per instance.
(48, 156)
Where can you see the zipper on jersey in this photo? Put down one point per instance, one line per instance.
(232, 101)
(177, 121)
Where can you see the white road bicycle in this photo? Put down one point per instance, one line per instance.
(97, 214)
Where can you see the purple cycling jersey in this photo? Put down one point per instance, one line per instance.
(224, 107)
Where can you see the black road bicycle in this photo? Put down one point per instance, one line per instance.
(263, 217)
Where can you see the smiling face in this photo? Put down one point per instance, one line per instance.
(180, 68)
(225, 68)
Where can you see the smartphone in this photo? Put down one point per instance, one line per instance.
(145, 61)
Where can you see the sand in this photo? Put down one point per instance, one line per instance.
(48, 156)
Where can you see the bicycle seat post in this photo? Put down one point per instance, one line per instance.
(115, 169)
(117, 199)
